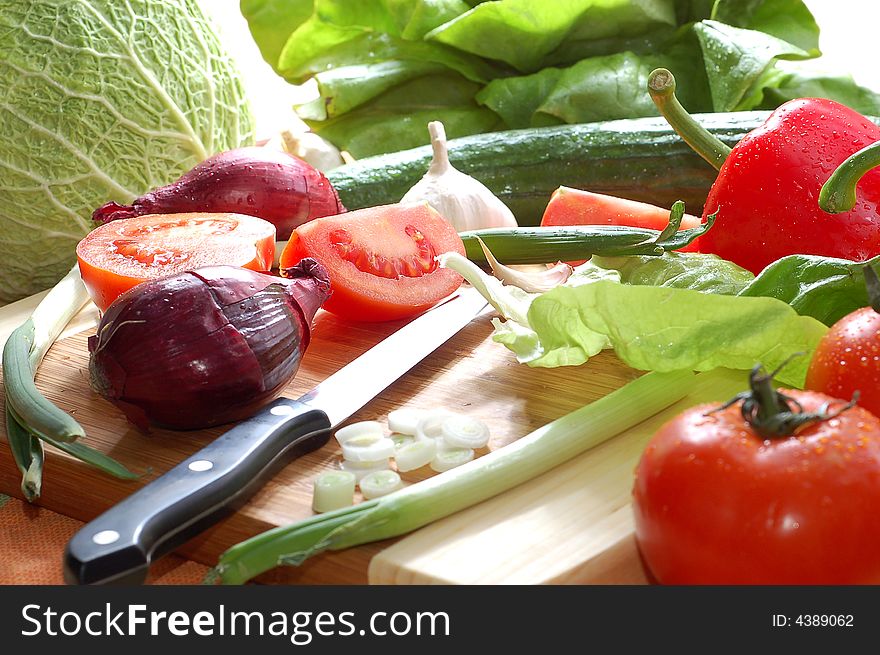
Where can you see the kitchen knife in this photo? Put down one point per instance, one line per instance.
(118, 546)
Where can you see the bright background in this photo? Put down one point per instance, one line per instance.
(849, 31)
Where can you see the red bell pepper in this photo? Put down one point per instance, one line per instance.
(767, 190)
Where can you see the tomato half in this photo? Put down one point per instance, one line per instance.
(117, 256)
(717, 504)
(381, 260)
(569, 206)
(847, 360)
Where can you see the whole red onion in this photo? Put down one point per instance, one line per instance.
(205, 347)
(261, 182)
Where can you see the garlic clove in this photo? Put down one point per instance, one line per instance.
(530, 280)
(462, 200)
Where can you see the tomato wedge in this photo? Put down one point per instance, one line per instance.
(117, 256)
(569, 206)
(381, 260)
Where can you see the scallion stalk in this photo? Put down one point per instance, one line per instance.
(30, 416)
(422, 503)
(541, 245)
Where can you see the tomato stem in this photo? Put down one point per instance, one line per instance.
(661, 86)
(773, 414)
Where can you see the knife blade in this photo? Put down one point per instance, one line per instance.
(119, 545)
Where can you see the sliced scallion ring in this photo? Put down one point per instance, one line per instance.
(415, 455)
(360, 469)
(358, 429)
(380, 483)
(401, 440)
(405, 420)
(367, 448)
(430, 426)
(449, 458)
(333, 490)
(460, 431)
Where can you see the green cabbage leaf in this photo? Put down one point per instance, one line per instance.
(101, 100)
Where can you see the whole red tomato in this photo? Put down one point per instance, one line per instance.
(847, 360)
(715, 503)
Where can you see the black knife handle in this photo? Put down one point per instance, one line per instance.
(118, 546)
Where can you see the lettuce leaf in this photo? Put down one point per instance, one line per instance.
(522, 32)
(389, 122)
(736, 58)
(664, 329)
(697, 271)
(660, 327)
(536, 63)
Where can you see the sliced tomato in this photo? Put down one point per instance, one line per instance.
(381, 260)
(117, 256)
(569, 206)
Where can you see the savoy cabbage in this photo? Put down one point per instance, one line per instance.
(100, 100)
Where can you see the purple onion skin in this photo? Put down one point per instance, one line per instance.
(261, 182)
(205, 347)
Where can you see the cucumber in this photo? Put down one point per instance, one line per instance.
(640, 159)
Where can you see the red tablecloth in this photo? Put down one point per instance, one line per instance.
(32, 541)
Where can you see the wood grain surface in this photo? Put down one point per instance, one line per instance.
(470, 373)
(572, 525)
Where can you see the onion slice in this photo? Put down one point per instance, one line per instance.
(333, 490)
(430, 426)
(380, 483)
(405, 420)
(360, 469)
(460, 431)
(449, 458)
(359, 429)
(367, 448)
(415, 455)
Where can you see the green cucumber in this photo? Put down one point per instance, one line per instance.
(641, 159)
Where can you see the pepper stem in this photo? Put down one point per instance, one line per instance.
(661, 86)
(838, 194)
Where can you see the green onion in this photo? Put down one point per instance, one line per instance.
(422, 503)
(540, 245)
(333, 490)
(380, 483)
(30, 416)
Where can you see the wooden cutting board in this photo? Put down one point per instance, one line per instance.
(573, 524)
(470, 374)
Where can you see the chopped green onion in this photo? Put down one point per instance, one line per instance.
(432, 499)
(447, 459)
(359, 429)
(460, 431)
(367, 448)
(401, 440)
(360, 469)
(333, 490)
(380, 483)
(405, 419)
(431, 424)
(415, 455)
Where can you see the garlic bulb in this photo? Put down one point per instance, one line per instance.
(463, 201)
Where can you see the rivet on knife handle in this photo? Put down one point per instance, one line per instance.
(118, 546)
